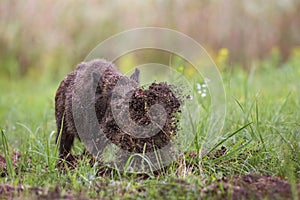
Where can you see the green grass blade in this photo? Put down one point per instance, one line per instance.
(229, 136)
(8, 160)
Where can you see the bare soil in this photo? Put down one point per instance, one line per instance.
(252, 186)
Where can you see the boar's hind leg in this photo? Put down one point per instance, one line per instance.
(65, 145)
(64, 138)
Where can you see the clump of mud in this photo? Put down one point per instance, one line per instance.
(140, 105)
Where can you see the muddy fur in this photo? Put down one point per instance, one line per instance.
(140, 101)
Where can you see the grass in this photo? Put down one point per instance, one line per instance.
(261, 135)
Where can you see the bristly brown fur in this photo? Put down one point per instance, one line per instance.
(63, 102)
(139, 107)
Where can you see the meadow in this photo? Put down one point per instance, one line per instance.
(261, 142)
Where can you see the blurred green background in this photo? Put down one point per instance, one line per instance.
(51, 37)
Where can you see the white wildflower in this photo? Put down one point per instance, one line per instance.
(202, 88)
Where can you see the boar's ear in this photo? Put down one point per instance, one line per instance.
(136, 75)
(97, 79)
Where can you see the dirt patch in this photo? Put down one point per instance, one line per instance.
(3, 167)
(218, 153)
(251, 186)
(15, 158)
(21, 192)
